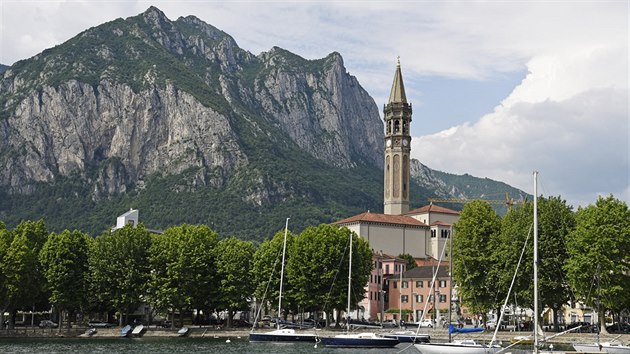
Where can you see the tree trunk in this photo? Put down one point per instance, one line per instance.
(181, 317)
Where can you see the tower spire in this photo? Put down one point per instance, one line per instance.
(398, 88)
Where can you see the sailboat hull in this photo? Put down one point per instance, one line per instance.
(409, 337)
(456, 348)
(282, 335)
(610, 348)
(368, 340)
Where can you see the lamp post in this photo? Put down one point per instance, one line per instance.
(436, 309)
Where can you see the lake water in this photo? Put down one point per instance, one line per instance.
(172, 345)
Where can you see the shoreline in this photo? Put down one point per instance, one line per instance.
(437, 335)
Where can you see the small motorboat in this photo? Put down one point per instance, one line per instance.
(138, 331)
(126, 331)
(183, 332)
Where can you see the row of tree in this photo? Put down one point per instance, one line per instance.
(185, 268)
(571, 246)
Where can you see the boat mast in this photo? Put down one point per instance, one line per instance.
(450, 281)
(535, 261)
(284, 250)
(349, 285)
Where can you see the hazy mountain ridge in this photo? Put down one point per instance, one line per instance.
(173, 118)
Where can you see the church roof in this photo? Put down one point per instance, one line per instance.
(398, 88)
(382, 219)
(431, 208)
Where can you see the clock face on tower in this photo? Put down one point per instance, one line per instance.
(405, 142)
(388, 142)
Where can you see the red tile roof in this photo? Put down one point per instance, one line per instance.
(382, 219)
(433, 209)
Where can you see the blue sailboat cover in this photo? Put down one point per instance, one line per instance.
(452, 329)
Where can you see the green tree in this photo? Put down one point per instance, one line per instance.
(555, 221)
(119, 269)
(183, 271)
(266, 268)
(64, 258)
(601, 237)
(411, 262)
(234, 260)
(24, 284)
(506, 249)
(318, 268)
(478, 225)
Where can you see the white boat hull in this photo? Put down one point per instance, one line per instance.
(464, 347)
(610, 348)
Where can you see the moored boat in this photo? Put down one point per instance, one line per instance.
(467, 346)
(183, 332)
(138, 331)
(359, 340)
(126, 331)
(603, 347)
(409, 337)
(281, 334)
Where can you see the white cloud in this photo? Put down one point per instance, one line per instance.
(568, 119)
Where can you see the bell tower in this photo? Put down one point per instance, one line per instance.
(397, 116)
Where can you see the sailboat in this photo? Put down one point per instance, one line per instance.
(282, 334)
(467, 346)
(470, 346)
(601, 347)
(357, 340)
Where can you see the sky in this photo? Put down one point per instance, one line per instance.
(499, 89)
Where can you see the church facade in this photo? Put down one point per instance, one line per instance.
(422, 233)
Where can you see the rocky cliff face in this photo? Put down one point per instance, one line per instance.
(145, 95)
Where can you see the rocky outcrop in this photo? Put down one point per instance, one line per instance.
(132, 116)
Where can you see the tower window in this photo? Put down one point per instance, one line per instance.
(396, 126)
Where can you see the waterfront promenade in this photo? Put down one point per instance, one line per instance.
(438, 335)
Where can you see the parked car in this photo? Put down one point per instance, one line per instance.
(47, 324)
(426, 322)
(581, 327)
(618, 328)
(390, 324)
(99, 324)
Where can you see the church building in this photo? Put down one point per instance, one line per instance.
(422, 233)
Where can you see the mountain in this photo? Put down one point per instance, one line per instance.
(3, 68)
(174, 119)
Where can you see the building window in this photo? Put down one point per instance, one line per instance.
(419, 298)
(442, 283)
(405, 284)
(442, 298)
(404, 299)
(419, 284)
(395, 285)
(430, 298)
(387, 269)
(433, 233)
